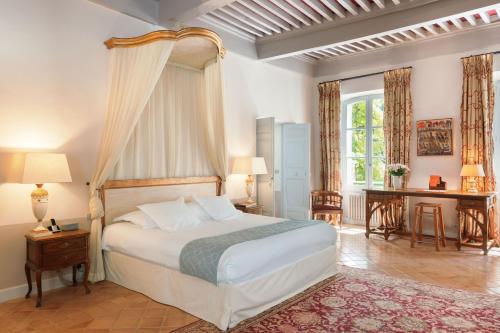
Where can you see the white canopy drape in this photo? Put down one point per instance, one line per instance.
(161, 121)
(168, 139)
(215, 138)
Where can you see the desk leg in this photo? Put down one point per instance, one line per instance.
(368, 216)
(459, 234)
(485, 230)
(39, 288)
(27, 270)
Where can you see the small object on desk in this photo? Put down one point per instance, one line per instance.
(54, 227)
(436, 183)
(250, 208)
(53, 252)
(471, 171)
(70, 226)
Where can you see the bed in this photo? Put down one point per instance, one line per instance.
(252, 276)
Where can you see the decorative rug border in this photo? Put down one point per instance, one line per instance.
(343, 273)
(272, 310)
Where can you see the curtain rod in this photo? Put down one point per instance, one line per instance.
(475, 55)
(364, 75)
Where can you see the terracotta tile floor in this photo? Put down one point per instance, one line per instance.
(111, 308)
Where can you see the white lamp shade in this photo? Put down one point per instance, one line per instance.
(42, 168)
(472, 170)
(249, 166)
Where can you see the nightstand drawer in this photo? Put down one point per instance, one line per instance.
(67, 258)
(64, 245)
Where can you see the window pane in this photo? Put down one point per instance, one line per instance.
(378, 142)
(356, 142)
(356, 169)
(356, 115)
(378, 169)
(378, 112)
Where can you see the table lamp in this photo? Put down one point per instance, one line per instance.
(249, 166)
(471, 171)
(41, 168)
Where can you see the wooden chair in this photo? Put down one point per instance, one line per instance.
(437, 214)
(327, 203)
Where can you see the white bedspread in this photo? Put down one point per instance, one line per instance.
(239, 263)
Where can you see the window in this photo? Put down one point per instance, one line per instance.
(364, 154)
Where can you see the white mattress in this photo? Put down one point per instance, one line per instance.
(240, 263)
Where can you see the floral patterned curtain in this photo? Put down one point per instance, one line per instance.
(398, 117)
(329, 122)
(477, 124)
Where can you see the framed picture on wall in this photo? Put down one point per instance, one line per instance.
(435, 137)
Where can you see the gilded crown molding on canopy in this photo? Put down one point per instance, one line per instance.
(167, 34)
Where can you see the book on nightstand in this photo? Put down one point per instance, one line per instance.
(40, 233)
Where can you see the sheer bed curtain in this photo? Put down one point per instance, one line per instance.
(214, 124)
(171, 125)
(181, 132)
(133, 76)
(168, 140)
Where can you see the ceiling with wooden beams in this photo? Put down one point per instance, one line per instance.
(418, 32)
(260, 20)
(252, 19)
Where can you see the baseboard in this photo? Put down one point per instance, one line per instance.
(47, 284)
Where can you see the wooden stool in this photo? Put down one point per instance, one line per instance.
(437, 212)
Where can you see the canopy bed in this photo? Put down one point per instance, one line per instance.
(164, 141)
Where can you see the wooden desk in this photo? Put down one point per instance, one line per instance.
(62, 249)
(389, 204)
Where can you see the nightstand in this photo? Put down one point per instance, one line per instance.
(250, 209)
(57, 251)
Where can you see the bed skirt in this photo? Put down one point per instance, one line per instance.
(225, 305)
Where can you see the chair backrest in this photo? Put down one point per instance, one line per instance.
(326, 198)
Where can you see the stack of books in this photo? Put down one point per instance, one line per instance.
(40, 233)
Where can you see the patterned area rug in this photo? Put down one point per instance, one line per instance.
(357, 300)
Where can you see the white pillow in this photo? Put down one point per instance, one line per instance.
(138, 218)
(197, 211)
(219, 208)
(171, 215)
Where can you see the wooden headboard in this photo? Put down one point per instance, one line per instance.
(122, 196)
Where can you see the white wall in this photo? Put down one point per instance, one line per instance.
(53, 73)
(52, 92)
(254, 89)
(436, 92)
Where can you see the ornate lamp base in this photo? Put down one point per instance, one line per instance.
(472, 187)
(249, 189)
(39, 204)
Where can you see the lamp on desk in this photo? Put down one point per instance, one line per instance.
(471, 171)
(250, 166)
(41, 168)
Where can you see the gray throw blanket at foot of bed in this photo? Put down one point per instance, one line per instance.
(200, 257)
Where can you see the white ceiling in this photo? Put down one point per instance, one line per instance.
(314, 30)
(252, 19)
(269, 21)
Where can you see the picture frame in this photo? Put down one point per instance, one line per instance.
(435, 137)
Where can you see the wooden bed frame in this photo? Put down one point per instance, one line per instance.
(134, 183)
